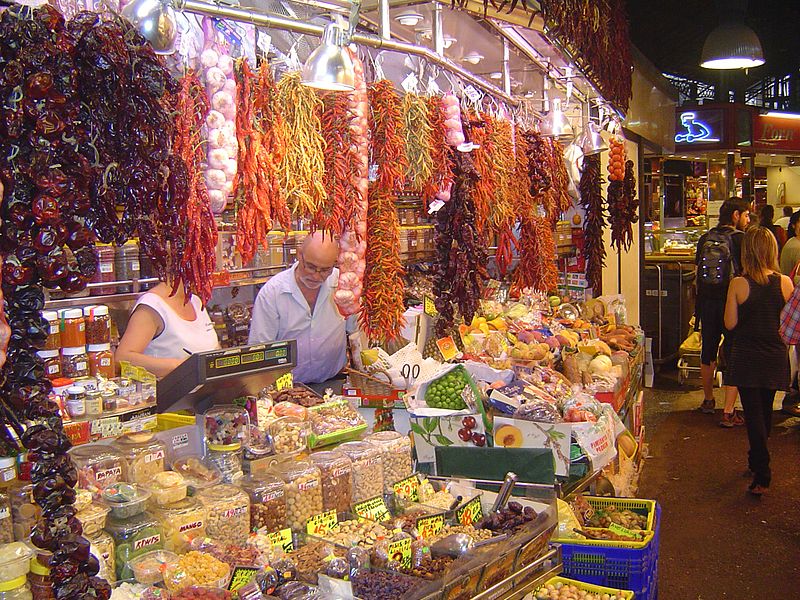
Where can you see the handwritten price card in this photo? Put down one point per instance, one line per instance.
(373, 508)
(282, 538)
(408, 488)
(471, 512)
(430, 526)
(241, 577)
(400, 552)
(284, 382)
(322, 523)
(429, 306)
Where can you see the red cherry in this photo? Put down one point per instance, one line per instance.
(465, 435)
(469, 422)
(478, 439)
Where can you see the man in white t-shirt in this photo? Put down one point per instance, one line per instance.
(297, 304)
(784, 220)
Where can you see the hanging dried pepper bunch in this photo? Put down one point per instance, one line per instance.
(460, 266)
(480, 133)
(419, 144)
(304, 159)
(557, 196)
(442, 179)
(197, 228)
(382, 317)
(590, 188)
(623, 214)
(502, 215)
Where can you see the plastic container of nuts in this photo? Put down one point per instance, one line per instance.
(267, 502)
(397, 463)
(336, 471)
(289, 435)
(303, 491)
(228, 509)
(144, 455)
(93, 518)
(367, 469)
(182, 522)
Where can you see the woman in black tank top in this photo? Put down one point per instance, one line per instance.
(759, 361)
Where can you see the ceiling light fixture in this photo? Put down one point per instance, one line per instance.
(495, 75)
(782, 115)
(155, 20)
(732, 45)
(473, 58)
(329, 66)
(449, 40)
(590, 141)
(556, 124)
(409, 18)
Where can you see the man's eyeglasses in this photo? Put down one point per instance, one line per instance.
(325, 271)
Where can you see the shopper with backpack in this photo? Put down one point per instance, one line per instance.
(718, 260)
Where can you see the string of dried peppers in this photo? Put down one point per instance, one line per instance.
(483, 195)
(622, 204)
(419, 144)
(502, 215)
(439, 184)
(594, 251)
(382, 317)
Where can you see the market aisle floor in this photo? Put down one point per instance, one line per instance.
(717, 542)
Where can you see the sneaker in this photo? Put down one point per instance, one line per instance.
(708, 407)
(727, 420)
(757, 490)
(738, 418)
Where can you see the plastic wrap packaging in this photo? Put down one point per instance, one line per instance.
(540, 411)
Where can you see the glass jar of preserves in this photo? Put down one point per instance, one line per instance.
(54, 330)
(101, 360)
(74, 362)
(367, 469)
(52, 363)
(99, 466)
(336, 472)
(106, 270)
(98, 324)
(75, 402)
(132, 537)
(40, 582)
(8, 471)
(267, 502)
(181, 522)
(144, 455)
(228, 509)
(6, 521)
(397, 462)
(24, 510)
(102, 546)
(94, 404)
(127, 265)
(303, 491)
(73, 328)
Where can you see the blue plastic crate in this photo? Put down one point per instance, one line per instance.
(623, 568)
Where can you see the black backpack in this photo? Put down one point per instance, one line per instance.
(715, 264)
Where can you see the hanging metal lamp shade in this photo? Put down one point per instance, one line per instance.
(155, 20)
(732, 45)
(590, 141)
(329, 66)
(556, 124)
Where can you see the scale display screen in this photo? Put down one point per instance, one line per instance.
(246, 359)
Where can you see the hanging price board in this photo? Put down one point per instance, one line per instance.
(408, 488)
(471, 512)
(284, 382)
(372, 508)
(322, 523)
(430, 526)
(282, 538)
(400, 552)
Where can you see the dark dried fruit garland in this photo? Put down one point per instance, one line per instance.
(590, 188)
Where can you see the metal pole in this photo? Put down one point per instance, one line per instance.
(437, 29)
(506, 71)
(384, 19)
(255, 18)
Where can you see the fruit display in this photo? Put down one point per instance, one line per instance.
(572, 591)
(507, 519)
(603, 517)
(448, 391)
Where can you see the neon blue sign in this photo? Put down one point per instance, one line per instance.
(694, 131)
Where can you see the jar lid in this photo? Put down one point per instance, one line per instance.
(38, 568)
(8, 461)
(72, 313)
(97, 310)
(102, 244)
(7, 586)
(76, 390)
(99, 347)
(47, 353)
(73, 350)
(225, 447)
(329, 457)
(50, 315)
(62, 382)
(131, 243)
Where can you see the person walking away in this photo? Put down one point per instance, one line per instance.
(759, 360)
(790, 254)
(784, 220)
(766, 217)
(790, 333)
(718, 261)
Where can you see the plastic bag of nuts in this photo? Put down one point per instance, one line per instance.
(336, 471)
(228, 513)
(267, 502)
(303, 491)
(367, 469)
(289, 435)
(397, 464)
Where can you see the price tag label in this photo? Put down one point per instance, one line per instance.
(447, 347)
(471, 93)
(430, 526)
(620, 530)
(410, 83)
(408, 488)
(429, 306)
(282, 538)
(372, 508)
(322, 523)
(241, 577)
(285, 381)
(471, 512)
(400, 552)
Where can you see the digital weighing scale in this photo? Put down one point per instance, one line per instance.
(221, 376)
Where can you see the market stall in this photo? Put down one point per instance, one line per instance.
(470, 221)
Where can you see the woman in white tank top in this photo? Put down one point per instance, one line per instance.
(163, 330)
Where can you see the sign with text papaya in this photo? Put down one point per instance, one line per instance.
(777, 133)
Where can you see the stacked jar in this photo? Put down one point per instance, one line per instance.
(102, 546)
(181, 522)
(228, 509)
(98, 340)
(367, 469)
(397, 463)
(227, 429)
(336, 472)
(126, 262)
(50, 354)
(267, 502)
(74, 362)
(144, 455)
(15, 563)
(106, 270)
(8, 478)
(99, 466)
(40, 582)
(303, 491)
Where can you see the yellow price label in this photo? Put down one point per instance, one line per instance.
(408, 488)
(471, 512)
(620, 530)
(285, 381)
(282, 538)
(447, 347)
(372, 508)
(429, 307)
(323, 523)
(427, 527)
(400, 552)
